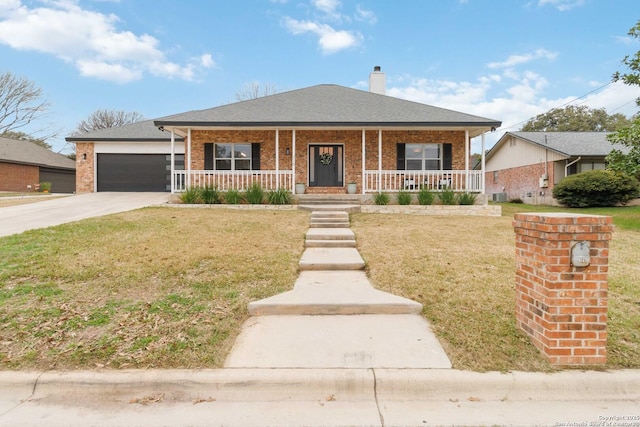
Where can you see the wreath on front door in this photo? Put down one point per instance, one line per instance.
(325, 158)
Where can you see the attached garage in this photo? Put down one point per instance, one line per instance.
(62, 180)
(132, 172)
(129, 158)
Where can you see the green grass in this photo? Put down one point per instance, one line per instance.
(169, 288)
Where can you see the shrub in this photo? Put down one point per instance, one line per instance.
(596, 188)
(210, 195)
(255, 194)
(447, 196)
(232, 197)
(517, 200)
(381, 199)
(425, 196)
(279, 197)
(191, 196)
(466, 198)
(404, 197)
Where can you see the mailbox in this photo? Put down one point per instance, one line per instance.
(580, 254)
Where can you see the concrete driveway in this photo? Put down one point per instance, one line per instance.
(16, 219)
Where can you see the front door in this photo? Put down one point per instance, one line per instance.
(326, 166)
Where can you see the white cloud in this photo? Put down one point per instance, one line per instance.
(365, 15)
(329, 39)
(561, 5)
(512, 98)
(89, 40)
(514, 60)
(327, 6)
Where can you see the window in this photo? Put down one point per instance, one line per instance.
(232, 157)
(495, 177)
(423, 157)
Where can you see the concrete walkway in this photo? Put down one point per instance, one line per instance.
(47, 213)
(333, 317)
(359, 348)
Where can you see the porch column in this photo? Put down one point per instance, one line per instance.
(293, 161)
(364, 166)
(173, 159)
(467, 145)
(482, 168)
(379, 160)
(277, 158)
(189, 158)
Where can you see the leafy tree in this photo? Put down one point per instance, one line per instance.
(629, 136)
(632, 77)
(22, 105)
(628, 163)
(576, 119)
(104, 119)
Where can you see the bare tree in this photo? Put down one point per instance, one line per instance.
(21, 105)
(255, 90)
(104, 119)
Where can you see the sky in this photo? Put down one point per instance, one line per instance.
(506, 60)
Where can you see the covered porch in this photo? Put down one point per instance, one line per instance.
(327, 161)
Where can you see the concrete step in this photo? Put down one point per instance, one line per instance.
(333, 292)
(365, 341)
(330, 214)
(330, 234)
(329, 224)
(330, 207)
(330, 243)
(331, 259)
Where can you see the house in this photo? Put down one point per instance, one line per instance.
(527, 165)
(24, 165)
(323, 136)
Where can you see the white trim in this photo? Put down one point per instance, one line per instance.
(364, 153)
(379, 159)
(293, 160)
(483, 166)
(277, 156)
(188, 165)
(173, 159)
(467, 144)
(137, 147)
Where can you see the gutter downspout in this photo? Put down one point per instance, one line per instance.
(363, 161)
(173, 160)
(566, 168)
(189, 158)
(483, 167)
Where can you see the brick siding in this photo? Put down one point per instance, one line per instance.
(517, 182)
(563, 308)
(15, 177)
(85, 168)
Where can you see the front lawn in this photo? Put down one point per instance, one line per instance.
(169, 287)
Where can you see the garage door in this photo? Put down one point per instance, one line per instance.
(62, 181)
(132, 172)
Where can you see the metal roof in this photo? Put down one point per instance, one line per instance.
(140, 131)
(323, 106)
(28, 153)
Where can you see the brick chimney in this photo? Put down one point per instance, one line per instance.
(377, 81)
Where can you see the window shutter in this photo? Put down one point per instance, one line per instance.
(447, 157)
(208, 156)
(400, 148)
(255, 156)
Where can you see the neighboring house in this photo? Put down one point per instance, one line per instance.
(323, 136)
(24, 165)
(527, 165)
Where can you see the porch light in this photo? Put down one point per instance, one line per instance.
(287, 151)
(84, 156)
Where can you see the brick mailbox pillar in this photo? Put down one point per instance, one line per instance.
(561, 303)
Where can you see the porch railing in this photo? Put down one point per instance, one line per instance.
(396, 180)
(236, 180)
